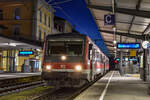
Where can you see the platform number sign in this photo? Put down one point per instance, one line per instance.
(109, 19)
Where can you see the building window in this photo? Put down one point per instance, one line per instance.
(16, 29)
(45, 17)
(49, 23)
(17, 13)
(1, 14)
(55, 26)
(40, 16)
(59, 28)
(44, 35)
(40, 33)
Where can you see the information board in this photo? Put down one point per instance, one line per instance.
(128, 45)
(25, 53)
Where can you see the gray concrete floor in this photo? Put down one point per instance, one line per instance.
(120, 88)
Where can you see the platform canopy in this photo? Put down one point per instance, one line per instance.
(18, 43)
(132, 20)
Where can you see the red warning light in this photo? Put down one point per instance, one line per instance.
(116, 61)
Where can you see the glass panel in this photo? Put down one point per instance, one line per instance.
(16, 29)
(70, 48)
(1, 15)
(40, 16)
(17, 13)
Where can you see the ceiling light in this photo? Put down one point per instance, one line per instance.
(114, 28)
(114, 41)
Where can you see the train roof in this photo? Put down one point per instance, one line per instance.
(75, 34)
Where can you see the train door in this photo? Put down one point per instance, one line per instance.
(93, 64)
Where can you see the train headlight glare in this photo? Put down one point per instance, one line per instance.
(98, 70)
(78, 68)
(48, 67)
(63, 57)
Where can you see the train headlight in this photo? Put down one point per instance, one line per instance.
(78, 68)
(63, 57)
(48, 67)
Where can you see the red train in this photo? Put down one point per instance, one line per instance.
(71, 60)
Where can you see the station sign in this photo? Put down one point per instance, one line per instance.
(25, 53)
(132, 59)
(109, 19)
(128, 45)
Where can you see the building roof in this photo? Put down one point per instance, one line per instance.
(59, 18)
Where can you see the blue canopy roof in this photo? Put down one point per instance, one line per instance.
(77, 13)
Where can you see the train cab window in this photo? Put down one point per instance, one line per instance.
(71, 48)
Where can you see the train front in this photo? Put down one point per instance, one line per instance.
(63, 63)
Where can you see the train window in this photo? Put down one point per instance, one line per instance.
(70, 48)
(101, 58)
(90, 51)
(97, 56)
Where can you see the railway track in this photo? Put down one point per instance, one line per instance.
(8, 86)
(19, 87)
(64, 93)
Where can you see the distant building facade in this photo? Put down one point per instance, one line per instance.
(32, 19)
(61, 26)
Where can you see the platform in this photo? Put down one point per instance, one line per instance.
(17, 75)
(115, 87)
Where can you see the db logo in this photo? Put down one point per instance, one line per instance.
(63, 66)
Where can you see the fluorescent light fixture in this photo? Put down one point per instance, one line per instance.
(114, 28)
(12, 44)
(38, 50)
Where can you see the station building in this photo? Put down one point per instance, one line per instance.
(25, 20)
(61, 26)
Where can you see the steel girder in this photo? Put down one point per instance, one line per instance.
(133, 12)
(142, 37)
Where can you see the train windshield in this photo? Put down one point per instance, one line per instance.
(69, 48)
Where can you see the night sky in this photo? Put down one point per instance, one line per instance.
(77, 13)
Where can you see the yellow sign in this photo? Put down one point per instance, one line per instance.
(132, 52)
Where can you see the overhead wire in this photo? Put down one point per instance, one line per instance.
(70, 17)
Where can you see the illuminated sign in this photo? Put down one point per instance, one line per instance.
(132, 59)
(25, 53)
(128, 45)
